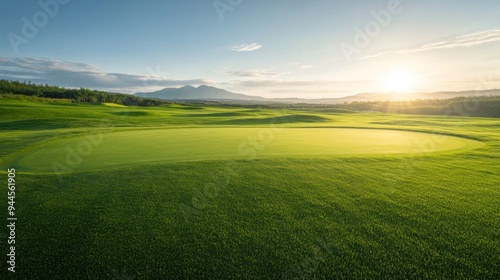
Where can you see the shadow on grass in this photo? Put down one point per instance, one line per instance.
(131, 113)
(189, 108)
(405, 122)
(281, 120)
(46, 124)
(223, 114)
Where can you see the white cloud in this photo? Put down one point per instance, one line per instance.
(468, 40)
(301, 65)
(246, 47)
(254, 73)
(285, 83)
(73, 74)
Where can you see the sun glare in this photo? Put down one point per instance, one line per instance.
(399, 81)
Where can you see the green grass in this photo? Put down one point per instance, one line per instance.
(392, 216)
(107, 150)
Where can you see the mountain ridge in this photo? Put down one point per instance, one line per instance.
(209, 93)
(202, 92)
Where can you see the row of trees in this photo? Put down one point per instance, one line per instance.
(81, 95)
(478, 106)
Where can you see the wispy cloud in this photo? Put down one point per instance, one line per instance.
(246, 47)
(74, 74)
(301, 66)
(306, 67)
(468, 40)
(254, 73)
(285, 83)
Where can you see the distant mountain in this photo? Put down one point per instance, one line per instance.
(363, 97)
(198, 93)
(208, 93)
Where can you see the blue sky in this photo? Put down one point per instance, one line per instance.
(308, 49)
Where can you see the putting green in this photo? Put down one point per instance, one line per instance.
(100, 151)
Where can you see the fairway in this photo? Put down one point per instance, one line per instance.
(112, 149)
(201, 192)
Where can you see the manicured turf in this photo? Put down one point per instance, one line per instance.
(114, 105)
(104, 150)
(387, 216)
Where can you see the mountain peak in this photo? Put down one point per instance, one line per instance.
(202, 92)
(201, 87)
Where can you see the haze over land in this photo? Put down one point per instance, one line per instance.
(279, 49)
(206, 93)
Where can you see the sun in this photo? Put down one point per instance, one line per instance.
(399, 82)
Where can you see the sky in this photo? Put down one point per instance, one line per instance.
(281, 48)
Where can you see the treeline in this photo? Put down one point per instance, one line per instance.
(81, 95)
(479, 106)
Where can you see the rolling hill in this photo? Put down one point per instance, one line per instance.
(207, 93)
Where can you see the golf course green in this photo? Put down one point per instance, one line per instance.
(223, 192)
(104, 150)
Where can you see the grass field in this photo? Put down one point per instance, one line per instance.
(225, 193)
(98, 151)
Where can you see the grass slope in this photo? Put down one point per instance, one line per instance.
(392, 216)
(98, 151)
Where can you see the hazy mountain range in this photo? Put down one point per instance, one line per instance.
(208, 93)
(198, 93)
